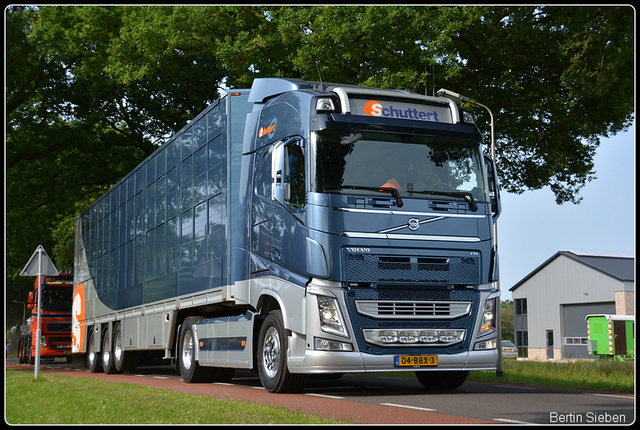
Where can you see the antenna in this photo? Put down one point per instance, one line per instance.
(318, 69)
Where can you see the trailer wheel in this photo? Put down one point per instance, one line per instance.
(94, 359)
(190, 369)
(124, 361)
(272, 358)
(108, 364)
(444, 380)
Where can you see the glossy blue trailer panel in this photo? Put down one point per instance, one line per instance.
(165, 230)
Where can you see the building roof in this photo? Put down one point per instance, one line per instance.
(618, 265)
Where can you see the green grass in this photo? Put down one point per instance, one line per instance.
(599, 375)
(602, 375)
(56, 399)
(87, 401)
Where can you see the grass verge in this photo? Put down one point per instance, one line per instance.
(56, 399)
(601, 375)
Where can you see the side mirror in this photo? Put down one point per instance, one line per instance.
(32, 299)
(494, 189)
(277, 172)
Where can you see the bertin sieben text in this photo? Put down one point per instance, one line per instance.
(587, 418)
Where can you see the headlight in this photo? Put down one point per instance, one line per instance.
(43, 341)
(330, 318)
(488, 315)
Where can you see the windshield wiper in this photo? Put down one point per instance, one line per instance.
(393, 191)
(466, 195)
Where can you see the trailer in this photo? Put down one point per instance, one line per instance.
(610, 334)
(298, 228)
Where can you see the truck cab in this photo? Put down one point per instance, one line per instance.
(55, 319)
(375, 210)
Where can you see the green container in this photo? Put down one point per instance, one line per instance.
(610, 334)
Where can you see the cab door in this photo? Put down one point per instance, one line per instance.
(288, 205)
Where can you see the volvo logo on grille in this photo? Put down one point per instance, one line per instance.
(359, 249)
(413, 224)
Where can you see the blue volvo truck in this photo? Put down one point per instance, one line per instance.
(296, 229)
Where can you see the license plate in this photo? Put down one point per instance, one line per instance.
(416, 360)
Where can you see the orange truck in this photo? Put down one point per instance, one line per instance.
(55, 319)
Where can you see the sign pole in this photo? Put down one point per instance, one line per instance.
(40, 267)
(40, 279)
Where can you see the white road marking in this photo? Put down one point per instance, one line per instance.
(505, 420)
(325, 396)
(408, 407)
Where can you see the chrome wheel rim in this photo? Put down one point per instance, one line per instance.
(271, 352)
(187, 350)
(117, 350)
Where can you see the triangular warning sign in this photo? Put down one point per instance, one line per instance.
(34, 267)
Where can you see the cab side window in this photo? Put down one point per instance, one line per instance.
(294, 179)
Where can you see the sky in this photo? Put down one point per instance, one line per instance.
(533, 227)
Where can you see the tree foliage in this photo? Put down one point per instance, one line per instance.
(92, 90)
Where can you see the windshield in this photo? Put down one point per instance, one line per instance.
(417, 167)
(57, 299)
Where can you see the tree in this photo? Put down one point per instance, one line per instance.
(92, 91)
(507, 320)
(73, 130)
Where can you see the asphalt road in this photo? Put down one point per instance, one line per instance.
(378, 399)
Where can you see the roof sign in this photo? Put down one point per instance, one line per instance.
(401, 110)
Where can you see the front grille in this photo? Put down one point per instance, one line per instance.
(395, 298)
(59, 327)
(412, 310)
(447, 270)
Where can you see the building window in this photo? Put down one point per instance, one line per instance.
(521, 327)
(575, 341)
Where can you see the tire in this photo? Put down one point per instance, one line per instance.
(190, 369)
(444, 380)
(22, 351)
(124, 361)
(31, 358)
(272, 358)
(108, 364)
(94, 359)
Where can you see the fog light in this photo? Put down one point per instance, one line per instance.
(387, 336)
(400, 337)
(449, 336)
(408, 336)
(429, 336)
(332, 345)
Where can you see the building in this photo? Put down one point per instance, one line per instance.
(551, 302)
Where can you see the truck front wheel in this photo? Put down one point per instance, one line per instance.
(272, 358)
